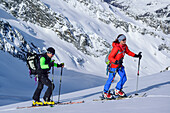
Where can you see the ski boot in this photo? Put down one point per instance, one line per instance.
(37, 103)
(107, 95)
(120, 93)
(49, 102)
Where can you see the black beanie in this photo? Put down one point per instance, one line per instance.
(51, 50)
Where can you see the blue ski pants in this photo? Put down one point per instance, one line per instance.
(121, 82)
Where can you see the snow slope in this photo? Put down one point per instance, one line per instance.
(156, 86)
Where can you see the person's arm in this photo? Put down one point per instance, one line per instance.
(130, 53)
(56, 64)
(42, 63)
(133, 54)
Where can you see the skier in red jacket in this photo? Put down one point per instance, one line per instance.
(116, 57)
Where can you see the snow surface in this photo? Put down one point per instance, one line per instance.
(85, 81)
(156, 86)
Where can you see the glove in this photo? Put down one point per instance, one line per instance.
(139, 55)
(60, 65)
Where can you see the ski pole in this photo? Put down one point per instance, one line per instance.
(52, 81)
(138, 76)
(60, 84)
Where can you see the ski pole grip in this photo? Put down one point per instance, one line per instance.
(139, 63)
(140, 55)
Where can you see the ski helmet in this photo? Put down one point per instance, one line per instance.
(51, 50)
(121, 37)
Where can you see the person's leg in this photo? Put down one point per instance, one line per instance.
(119, 86)
(37, 92)
(122, 80)
(109, 80)
(50, 88)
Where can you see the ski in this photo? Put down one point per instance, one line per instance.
(58, 103)
(140, 95)
(115, 98)
(131, 96)
(121, 98)
(65, 103)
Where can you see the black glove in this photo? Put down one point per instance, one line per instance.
(51, 64)
(60, 65)
(139, 55)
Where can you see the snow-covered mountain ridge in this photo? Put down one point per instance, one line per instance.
(36, 12)
(152, 13)
(158, 20)
(14, 43)
(118, 19)
(105, 21)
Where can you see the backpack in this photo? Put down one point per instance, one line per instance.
(32, 62)
(107, 61)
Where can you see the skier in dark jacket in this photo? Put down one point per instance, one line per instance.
(44, 67)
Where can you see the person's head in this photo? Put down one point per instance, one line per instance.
(121, 39)
(50, 52)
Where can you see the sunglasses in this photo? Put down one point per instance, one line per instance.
(124, 39)
(50, 52)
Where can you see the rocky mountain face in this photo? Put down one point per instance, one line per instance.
(154, 20)
(36, 12)
(159, 19)
(107, 16)
(14, 43)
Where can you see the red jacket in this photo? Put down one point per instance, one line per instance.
(117, 53)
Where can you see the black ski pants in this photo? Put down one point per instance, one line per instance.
(43, 80)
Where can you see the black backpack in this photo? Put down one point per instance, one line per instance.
(32, 62)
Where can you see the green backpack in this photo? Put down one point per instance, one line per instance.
(107, 61)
